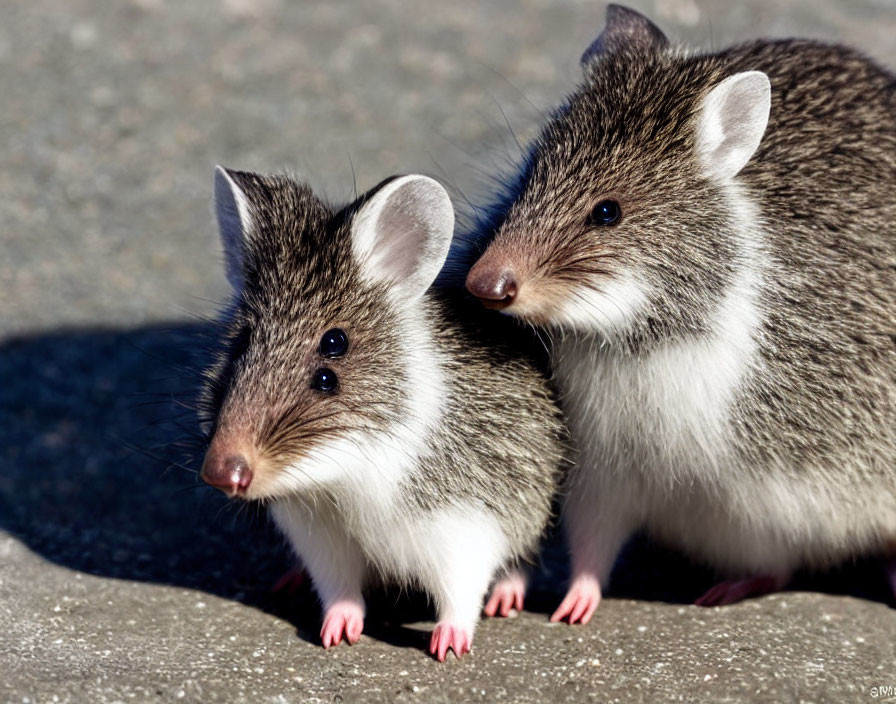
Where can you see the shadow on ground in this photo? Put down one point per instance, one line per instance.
(100, 448)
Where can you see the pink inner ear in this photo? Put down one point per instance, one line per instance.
(234, 222)
(402, 235)
(733, 120)
(399, 254)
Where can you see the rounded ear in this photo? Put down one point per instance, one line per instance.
(625, 30)
(733, 118)
(401, 235)
(234, 217)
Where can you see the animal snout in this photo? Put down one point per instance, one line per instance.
(230, 473)
(495, 286)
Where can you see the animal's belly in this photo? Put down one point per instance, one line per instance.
(663, 427)
(770, 524)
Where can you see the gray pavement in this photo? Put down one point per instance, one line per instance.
(121, 580)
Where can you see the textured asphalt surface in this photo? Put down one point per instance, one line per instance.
(121, 580)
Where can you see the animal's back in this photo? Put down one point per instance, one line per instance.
(822, 184)
(814, 422)
(711, 235)
(807, 438)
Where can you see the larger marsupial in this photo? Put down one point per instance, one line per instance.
(710, 238)
(395, 432)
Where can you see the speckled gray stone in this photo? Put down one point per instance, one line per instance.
(122, 582)
(87, 639)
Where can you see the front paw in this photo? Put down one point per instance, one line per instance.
(450, 636)
(291, 581)
(580, 602)
(507, 595)
(342, 618)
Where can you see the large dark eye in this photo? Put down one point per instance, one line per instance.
(334, 343)
(607, 212)
(325, 380)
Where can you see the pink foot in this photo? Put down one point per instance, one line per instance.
(290, 582)
(737, 589)
(891, 573)
(580, 602)
(342, 617)
(447, 636)
(507, 594)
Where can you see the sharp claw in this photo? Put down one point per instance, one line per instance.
(290, 581)
(436, 646)
(507, 595)
(711, 597)
(353, 632)
(446, 637)
(506, 604)
(891, 574)
(562, 610)
(732, 591)
(342, 619)
(460, 644)
(580, 602)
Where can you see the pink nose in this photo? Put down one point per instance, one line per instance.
(230, 473)
(495, 287)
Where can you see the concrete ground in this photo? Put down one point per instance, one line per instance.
(123, 581)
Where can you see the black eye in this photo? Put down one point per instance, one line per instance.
(325, 380)
(334, 343)
(607, 212)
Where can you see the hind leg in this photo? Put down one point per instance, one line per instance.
(734, 590)
(291, 581)
(891, 574)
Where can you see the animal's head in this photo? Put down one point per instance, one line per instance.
(626, 215)
(324, 357)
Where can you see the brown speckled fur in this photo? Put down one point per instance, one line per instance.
(821, 405)
(501, 438)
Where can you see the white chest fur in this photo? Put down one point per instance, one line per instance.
(654, 433)
(668, 412)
